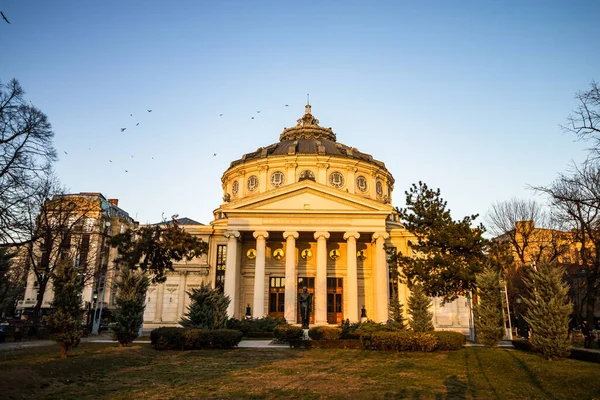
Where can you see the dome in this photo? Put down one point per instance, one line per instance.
(307, 137)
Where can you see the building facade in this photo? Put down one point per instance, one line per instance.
(306, 211)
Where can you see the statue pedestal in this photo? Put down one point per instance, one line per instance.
(305, 337)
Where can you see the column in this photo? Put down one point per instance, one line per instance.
(320, 301)
(352, 280)
(380, 272)
(181, 301)
(350, 181)
(160, 294)
(290, 276)
(258, 309)
(231, 272)
(291, 173)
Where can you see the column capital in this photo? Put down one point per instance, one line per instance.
(229, 234)
(382, 235)
(320, 234)
(351, 234)
(287, 234)
(263, 234)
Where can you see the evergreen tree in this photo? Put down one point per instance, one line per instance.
(397, 311)
(548, 310)
(488, 312)
(129, 313)
(67, 306)
(418, 309)
(208, 309)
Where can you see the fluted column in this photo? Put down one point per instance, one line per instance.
(380, 272)
(160, 294)
(352, 280)
(231, 272)
(181, 301)
(258, 309)
(290, 276)
(321, 281)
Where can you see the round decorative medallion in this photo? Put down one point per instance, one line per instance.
(379, 188)
(235, 187)
(306, 254)
(278, 254)
(334, 254)
(252, 183)
(336, 179)
(361, 183)
(277, 179)
(251, 254)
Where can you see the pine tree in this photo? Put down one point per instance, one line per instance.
(397, 310)
(548, 310)
(488, 312)
(67, 306)
(208, 309)
(418, 309)
(129, 313)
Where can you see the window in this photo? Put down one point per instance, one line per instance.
(379, 188)
(252, 183)
(361, 183)
(277, 179)
(336, 179)
(306, 174)
(221, 263)
(276, 297)
(84, 250)
(235, 187)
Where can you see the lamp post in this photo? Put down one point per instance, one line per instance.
(503, 289)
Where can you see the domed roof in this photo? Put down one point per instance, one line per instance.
(307, 137)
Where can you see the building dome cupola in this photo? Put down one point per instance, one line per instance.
(307, 128)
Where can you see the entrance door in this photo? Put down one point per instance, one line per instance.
(335, 291)
(277, 297)
(310, 284)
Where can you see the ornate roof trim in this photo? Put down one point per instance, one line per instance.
(307, 128)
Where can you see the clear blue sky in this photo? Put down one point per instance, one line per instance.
(466, 96)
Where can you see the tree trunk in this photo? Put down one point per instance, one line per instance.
(590, 302)
(63, 350)
(39, 300)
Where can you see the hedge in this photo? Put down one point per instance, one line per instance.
(448, 340)
(288, 333)
(324, 333)
(399, 341)
(255, 326)
(191, 339)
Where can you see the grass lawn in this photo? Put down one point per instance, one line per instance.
(102, 370)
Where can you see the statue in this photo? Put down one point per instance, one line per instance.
(305, 300)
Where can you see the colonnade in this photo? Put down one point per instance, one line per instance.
(379, 276)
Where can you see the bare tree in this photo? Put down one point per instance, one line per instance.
(576, 199)
(527, 228)
(26, 156)
(60, 227)
(585, 120)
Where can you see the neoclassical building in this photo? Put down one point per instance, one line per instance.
(306, 211)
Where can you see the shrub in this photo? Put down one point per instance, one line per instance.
(225, 338)
(368, 327)
(324, 333)
(287, 333)
(194, 339)
(399, 341)
(208, 309)
(255, 326)
(447, 340)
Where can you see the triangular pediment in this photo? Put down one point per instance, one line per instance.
(306, 197)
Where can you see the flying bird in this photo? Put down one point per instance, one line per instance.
(137, 124)
(110, 160)
(220, 115)
(214, 155)
(126, 171)
(66, 152)
(252, 117)
(123, 129)
(149, 110)
(131, 115)
(287, 105)
(258, 112)
(4, 17)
